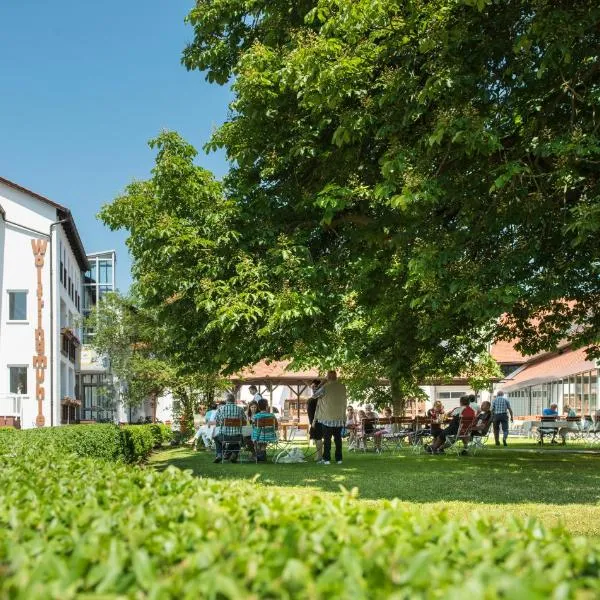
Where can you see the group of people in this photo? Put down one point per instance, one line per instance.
(331, 419)
(496, 413)
(227, 439)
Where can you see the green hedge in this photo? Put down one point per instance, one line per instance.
(100, 441)
(87, 528)
(131, 443)
(162, 434)
(138, 442)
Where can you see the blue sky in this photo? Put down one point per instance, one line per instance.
(83, 87)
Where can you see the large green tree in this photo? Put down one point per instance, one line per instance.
(456, 141)
(402, 175)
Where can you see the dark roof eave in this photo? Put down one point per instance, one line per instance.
(73, 237)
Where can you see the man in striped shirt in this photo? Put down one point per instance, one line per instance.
(229, 410)
(501, 409)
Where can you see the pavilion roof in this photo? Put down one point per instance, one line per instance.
(275, 372)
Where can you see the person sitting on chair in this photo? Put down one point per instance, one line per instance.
(261, 436)
(385, 429)
(436, 414)
(552, 411)
(351, 427)
(483, 420)
(462, 411)
(229, 410)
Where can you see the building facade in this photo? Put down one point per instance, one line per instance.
(564, 377)
(42, 261)
(98, 389)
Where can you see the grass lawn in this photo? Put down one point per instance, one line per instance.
(553, 486)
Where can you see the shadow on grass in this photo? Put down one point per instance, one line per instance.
(495, 476)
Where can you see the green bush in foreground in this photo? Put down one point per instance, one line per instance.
(72, 528)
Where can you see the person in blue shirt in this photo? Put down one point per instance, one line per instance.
(551, 412)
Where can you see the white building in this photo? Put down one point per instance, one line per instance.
(42, 261)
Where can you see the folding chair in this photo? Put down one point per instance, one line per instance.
(388, 436)
(265, 432)
(463, 434)
(366, 432)
(479, 438)
(593, 433)
(420, 434)
(233, 441)
(574, 429)
(547, 427)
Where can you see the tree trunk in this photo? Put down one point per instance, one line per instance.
(398, 399)
(154, 403)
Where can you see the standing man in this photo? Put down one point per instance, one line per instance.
(331, 413)
(501, 409)
(229, 410)
(256, 395)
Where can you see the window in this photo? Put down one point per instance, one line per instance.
(103, 290)
(17, 306)
(105, 271)
(450, 395)
(18, 380)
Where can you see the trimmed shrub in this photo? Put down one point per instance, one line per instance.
(137, 442)
(81, 527)
(131, 443)
(100, 441)
(162, 434)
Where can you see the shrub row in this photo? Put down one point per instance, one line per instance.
(72, 528)
(131, 443)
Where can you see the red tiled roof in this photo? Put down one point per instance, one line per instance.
(504, 352)
(551, 367)
(275, 371)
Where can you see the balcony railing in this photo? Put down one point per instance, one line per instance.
(11, 410)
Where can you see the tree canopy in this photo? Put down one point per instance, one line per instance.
(402, 175)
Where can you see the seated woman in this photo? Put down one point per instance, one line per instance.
(483, 420)
(436, 413)
(205, 431)
(462, 411)
(385, 429)
(261, 436)
(351, 427)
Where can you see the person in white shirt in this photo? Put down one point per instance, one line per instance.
(473, 403)
(256, 395)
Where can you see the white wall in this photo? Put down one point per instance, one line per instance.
(18, 272)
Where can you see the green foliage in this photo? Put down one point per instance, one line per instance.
(161, 433)
(130, 338)
(403, 174)
(138, 442)
(451, 146)
(131, 443)
(97, 441)
(483, 372)
(88, 527)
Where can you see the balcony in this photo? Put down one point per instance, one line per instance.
(69, 344)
